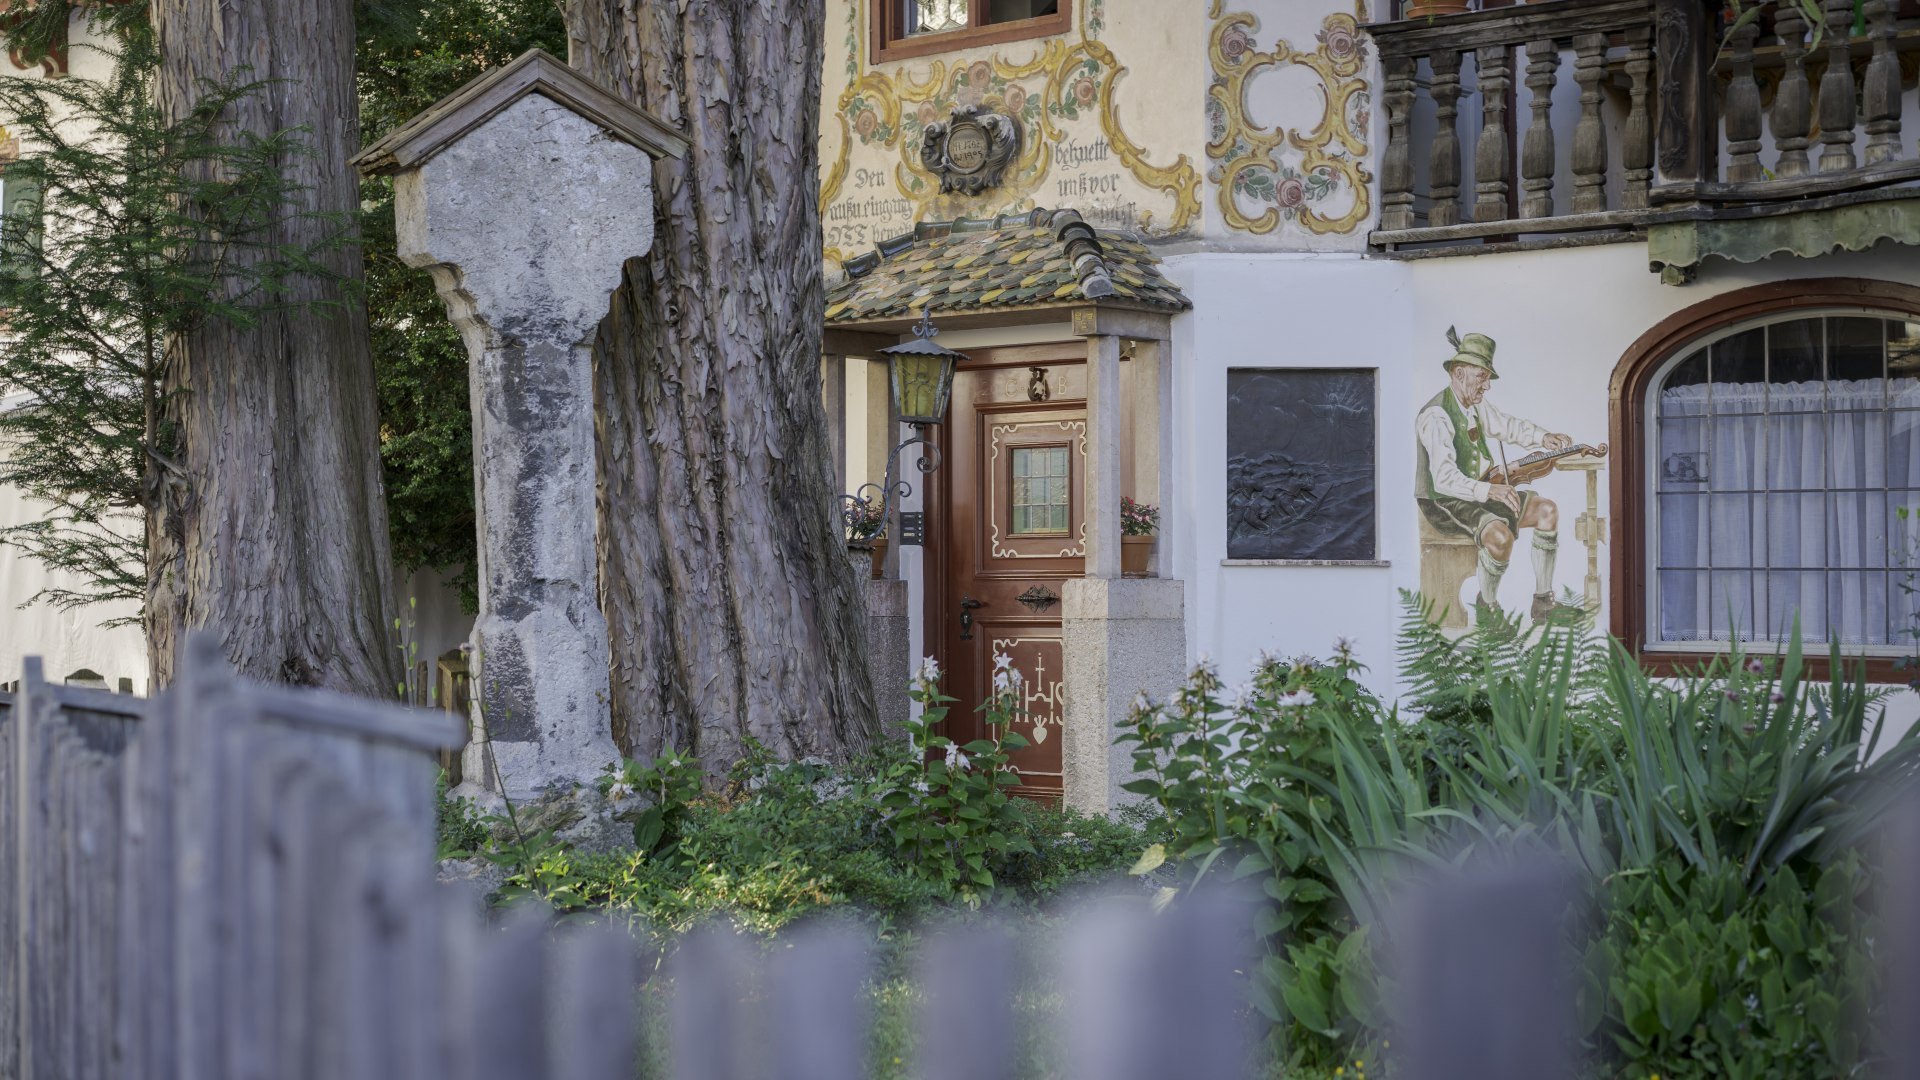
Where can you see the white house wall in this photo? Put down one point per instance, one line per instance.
(1562, 320)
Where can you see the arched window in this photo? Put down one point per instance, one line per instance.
(1770, 452)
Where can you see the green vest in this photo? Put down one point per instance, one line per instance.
(1470, 447)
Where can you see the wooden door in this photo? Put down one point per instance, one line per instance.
(1010, 531)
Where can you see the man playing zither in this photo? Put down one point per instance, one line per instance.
(1454, 456)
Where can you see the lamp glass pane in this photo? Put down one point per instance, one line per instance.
(920, 387)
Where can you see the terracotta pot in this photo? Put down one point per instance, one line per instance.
(1136, 556)
(879, 557)
(1427, 9)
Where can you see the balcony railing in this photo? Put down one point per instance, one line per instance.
(1621, 126)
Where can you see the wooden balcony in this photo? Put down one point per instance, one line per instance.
(1637, 114)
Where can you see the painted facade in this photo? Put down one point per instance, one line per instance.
(1282, 110)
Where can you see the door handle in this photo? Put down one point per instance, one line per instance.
(967, 604)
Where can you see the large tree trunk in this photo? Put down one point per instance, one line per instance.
(274, 532)
(732, 607)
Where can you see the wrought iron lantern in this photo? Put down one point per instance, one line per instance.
(921, 374)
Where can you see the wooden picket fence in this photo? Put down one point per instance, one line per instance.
(236, 882)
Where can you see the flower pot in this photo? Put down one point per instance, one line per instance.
(1136, 556)
(879, 557)
(1427, 9)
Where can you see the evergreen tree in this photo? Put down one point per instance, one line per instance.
(123, 229)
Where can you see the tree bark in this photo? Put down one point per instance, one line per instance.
(272, 530)
(732, 608)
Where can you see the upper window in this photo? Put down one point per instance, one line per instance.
(907, 28)
(1781, 464)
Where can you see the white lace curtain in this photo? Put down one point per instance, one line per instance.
(1783, 499)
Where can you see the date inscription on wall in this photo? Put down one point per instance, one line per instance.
(1300, 463)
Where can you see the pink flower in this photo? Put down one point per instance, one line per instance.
(1340, 43)
(1291, 192)
(1235, 44)
(1016, 98)
(980, 74)
(1084, 90)
(866, 122)
(927, 113)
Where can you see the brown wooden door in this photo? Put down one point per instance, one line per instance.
(1009, 532)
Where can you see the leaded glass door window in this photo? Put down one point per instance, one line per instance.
(1042, 488)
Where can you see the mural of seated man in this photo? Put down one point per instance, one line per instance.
(1462, 486)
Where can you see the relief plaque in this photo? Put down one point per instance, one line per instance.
(1301, 463)
(970, 150)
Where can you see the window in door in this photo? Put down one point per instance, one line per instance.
(1042, 487)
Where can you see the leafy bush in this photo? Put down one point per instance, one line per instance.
(1718, 819)
(922, 829)
(949, 814)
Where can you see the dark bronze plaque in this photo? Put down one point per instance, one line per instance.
(1301, 463)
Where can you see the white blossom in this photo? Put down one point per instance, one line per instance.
(1297, 699)
(929, 671)
(1002, 662)
(956, 759)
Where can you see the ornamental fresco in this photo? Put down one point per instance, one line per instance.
(1314, 177)
(1067, 94)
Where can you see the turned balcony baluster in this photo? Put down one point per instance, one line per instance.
(1443, 166)
(1636, 142)
(1743, 110)
(1590, 134)
(1881, 99)
(1492, 156)
(1837, 113)
(1536, 152)
(1792, 116)
(1396, 171)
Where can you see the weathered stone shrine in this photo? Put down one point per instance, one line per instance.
(524, 193)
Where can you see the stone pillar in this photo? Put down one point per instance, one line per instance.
(524, 195)
(1101, 489)
(889, 653)
(1121, 636)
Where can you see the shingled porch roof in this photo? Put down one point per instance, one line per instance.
(1042, 258)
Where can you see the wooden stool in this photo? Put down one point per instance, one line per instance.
(1446, 562)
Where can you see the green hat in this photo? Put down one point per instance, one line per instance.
(1475, 350)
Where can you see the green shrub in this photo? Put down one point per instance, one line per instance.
(1719, 818)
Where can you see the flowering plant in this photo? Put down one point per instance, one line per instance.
(1138, 519)
(948, 810)
(864, 519)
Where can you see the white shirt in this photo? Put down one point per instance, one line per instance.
(1435, 431)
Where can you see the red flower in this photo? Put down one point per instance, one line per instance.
(1085, 90)
(1016, 98)
(866, 122)
(1291, 191)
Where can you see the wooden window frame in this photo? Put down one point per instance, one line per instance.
(890, 41)
(1632, 379)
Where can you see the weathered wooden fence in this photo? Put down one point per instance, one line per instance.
(236, 882)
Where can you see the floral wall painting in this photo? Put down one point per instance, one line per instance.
(1313, 177)
(1476, 478)
(1301, 464)
(1063, 93)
